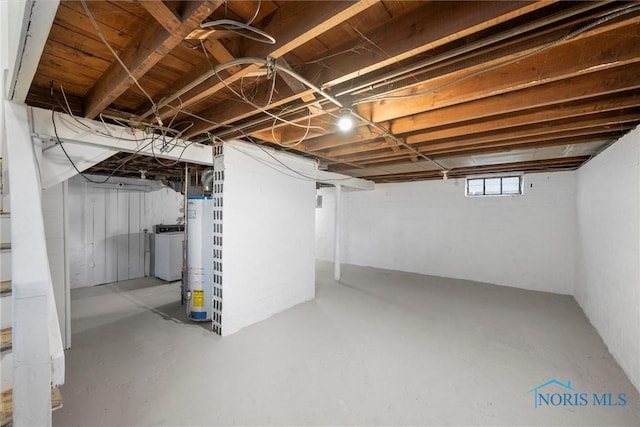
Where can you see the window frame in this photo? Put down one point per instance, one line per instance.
(520, 177)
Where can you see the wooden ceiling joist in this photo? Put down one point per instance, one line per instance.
(560, 140)
(289, 31)
(514, 48)
(151, 44)
(424, 35)
(526, 73)
(560, 63)
(500, 138)
(416, 33)
(464, 82)
(162, 14)
(513, 146)
(530, 166)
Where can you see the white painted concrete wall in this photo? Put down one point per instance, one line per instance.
(325, 223)
(268, 235)
(53, 213)
(158, 206)
(608, 278)
(430, 227)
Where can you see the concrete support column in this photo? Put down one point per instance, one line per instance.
(336, 239)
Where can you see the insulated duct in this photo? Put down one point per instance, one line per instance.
(206, 178)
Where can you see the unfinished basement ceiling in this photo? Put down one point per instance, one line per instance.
(462, 87)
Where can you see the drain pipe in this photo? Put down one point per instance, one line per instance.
(184, 286)
(336, 237)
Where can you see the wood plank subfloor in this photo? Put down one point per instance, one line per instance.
(6, 411)
(5, 287)
(6, 340)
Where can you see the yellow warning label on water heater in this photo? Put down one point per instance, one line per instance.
(198, 298)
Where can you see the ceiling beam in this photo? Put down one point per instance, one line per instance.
(570, 59)
(559, 140)
(220, 54)
(595, 123)
(146, 49)
(162, 14)
(532, 165)
(297, 87)
(539, 116)
(409, 35)
(509, 49)
(557, 95)
(290, 32)
(610, 121)
(514, 145)
(413, 34)
(75, 130)
(567, 163)
(613, 47)
(606, 82)
(505, 141)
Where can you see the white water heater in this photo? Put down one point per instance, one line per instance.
(199, 257)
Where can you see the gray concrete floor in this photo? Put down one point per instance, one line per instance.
(380, 348)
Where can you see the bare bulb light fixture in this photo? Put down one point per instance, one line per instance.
(345, 122)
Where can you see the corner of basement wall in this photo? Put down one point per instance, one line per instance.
(608, 250)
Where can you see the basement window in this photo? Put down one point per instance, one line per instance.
(494, 186)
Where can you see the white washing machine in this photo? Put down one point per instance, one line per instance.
(168, 256)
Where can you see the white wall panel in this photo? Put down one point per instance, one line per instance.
(112, 226)
(136, 239)
(121, 234)
(608, 282)
(53, 207)
(268, 235)
(325, 217)
(430, 227)
(107, 225)
(96, 226)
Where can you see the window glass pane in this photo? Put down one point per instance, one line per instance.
(511, 185)
(492, 186)
(475, 187)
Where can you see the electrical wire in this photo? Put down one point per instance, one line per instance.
(151, 139)
(106, 43)
(301, 175)
(543, 48)
(255, 15)
(81, 123)
(59, 142)
(174, 140)
(262, 109)
(201, 79)
(289, 145)
(297, 175)
(253, 33)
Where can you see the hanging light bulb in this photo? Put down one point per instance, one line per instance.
(345, 123)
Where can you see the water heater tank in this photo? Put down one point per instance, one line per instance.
(199, 257)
